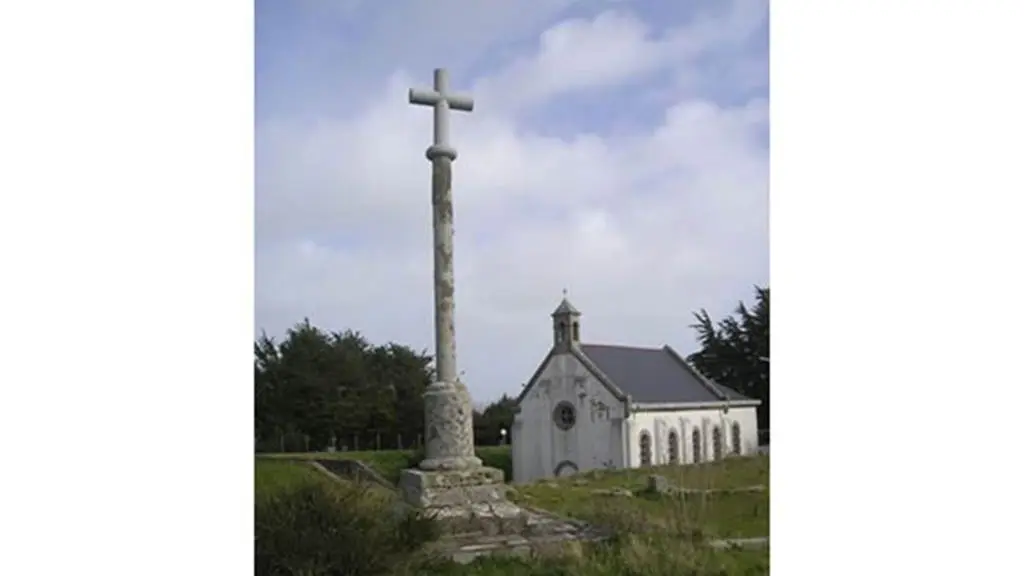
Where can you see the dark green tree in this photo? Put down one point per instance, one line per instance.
(487, 424)
(314, 386)
(735, 351)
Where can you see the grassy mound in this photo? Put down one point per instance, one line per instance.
(310, 525)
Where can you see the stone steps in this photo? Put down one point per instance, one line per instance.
(543, 533)
(355, 470)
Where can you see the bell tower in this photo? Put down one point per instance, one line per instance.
(565, 325)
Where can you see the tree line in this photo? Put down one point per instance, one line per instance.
(316, 388)
(734, 351)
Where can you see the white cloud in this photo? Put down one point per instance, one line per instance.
(615, 48)
(642, 229)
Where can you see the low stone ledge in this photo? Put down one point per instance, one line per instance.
(739, 543)
(660, 485)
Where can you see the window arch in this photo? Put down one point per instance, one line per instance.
(673, 447)
(645, 448)
(736, 446)
(696, 445)
(576, 331)
(716, 442)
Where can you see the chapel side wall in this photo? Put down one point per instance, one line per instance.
(659, 423)
(594, 441)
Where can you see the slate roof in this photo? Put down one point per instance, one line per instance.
(655, 375)
(565, 308)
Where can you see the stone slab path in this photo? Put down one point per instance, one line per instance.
(544, 532)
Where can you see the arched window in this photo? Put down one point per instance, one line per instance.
(645, 448)
(576, 331)
(736, 446)
(696, 445)
(673, 447)
(716, 442)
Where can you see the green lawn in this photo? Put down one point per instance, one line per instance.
(656, 531)
(598, 497)
(273, 477)
(634, 557)
(593, 496)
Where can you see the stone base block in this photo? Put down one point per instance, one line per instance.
(423, 488)
(464, 501)
(491, 519)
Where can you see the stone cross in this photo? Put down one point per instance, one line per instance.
(447, 405)
(442, 101)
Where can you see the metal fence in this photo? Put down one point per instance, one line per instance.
(298, 442)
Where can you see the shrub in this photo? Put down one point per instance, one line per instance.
(499, 457)
(337, 529)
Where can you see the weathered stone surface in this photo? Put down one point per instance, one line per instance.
(453, 478)
(444, 270)
(659, 484)
(544, 533)
(425, 489)
(464, 501)
(352, 469)
(623, 492)
(488, 519)
(448, 413)
(736, 543)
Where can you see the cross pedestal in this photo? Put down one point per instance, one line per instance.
(473, 500)
(451, 483)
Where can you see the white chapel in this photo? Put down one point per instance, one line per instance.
(593, 406)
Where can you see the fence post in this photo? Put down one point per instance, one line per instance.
(378, 441)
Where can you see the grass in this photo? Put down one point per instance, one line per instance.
(390, 463)
(631, 557)
(658, 534)
(592, 497)
(278, 476)
(308, 524)
(275, 477)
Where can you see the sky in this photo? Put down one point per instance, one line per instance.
(618, 150)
